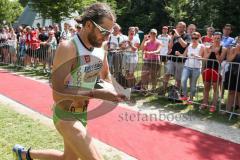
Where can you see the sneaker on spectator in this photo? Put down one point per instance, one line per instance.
(212, 109)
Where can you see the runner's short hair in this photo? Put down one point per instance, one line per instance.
(96, 12)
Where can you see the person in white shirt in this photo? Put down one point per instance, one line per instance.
(165, 39)
(66, 34)
(130, 56)
(12, 42)
(113, 47)
(192, 65)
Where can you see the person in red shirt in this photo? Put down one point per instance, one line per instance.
(208, 39)
(32, 43)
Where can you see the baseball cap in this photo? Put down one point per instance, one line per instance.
(153, 31)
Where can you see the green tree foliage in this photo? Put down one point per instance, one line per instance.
(149, 14)
(23, 2)
(205, 13)
(145, 13)
(59, 9)
(9, 11)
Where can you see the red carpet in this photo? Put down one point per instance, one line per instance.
(144, 140)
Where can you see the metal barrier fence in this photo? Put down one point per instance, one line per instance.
(27, 55)
(162, 75)
(168, 76)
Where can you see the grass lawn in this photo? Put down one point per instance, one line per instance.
(164, 103)
(31, 72)
(19, 129)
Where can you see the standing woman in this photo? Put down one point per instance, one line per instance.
(151, 47)
(192, 66)
(22, 47)
(3, 45)
(12, 45)
(130, 60)
(211, 74)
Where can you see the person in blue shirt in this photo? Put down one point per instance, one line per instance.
(227, 41)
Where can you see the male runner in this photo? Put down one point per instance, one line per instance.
(76, 66)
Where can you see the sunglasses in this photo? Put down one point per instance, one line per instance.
(194, 38)
(102, 30)
(218, 38)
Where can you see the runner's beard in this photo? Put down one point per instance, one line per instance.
(93, 40)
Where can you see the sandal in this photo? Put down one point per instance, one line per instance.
(18, 150)
(212, 109)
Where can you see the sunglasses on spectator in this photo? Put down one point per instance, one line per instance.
(102, 30)
(194, 38)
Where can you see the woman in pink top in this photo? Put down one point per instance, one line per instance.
(151, 47)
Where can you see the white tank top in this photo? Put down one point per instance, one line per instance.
(89, 65)
(193, 62)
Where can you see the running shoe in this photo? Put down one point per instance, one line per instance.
(17, 151)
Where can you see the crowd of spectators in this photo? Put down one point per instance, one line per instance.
(185, 55)
(30, 46)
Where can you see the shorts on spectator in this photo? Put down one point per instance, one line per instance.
(32, 52)
(211, 75)
(130, 61)
(12, 50)
(175, 69)
(232, 80)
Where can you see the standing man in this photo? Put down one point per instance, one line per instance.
(227, 41)
(208, 39)
(191, 28)
(113, 45)
(69, 80)
(165, 40)
(178, 43)
(57, 32)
